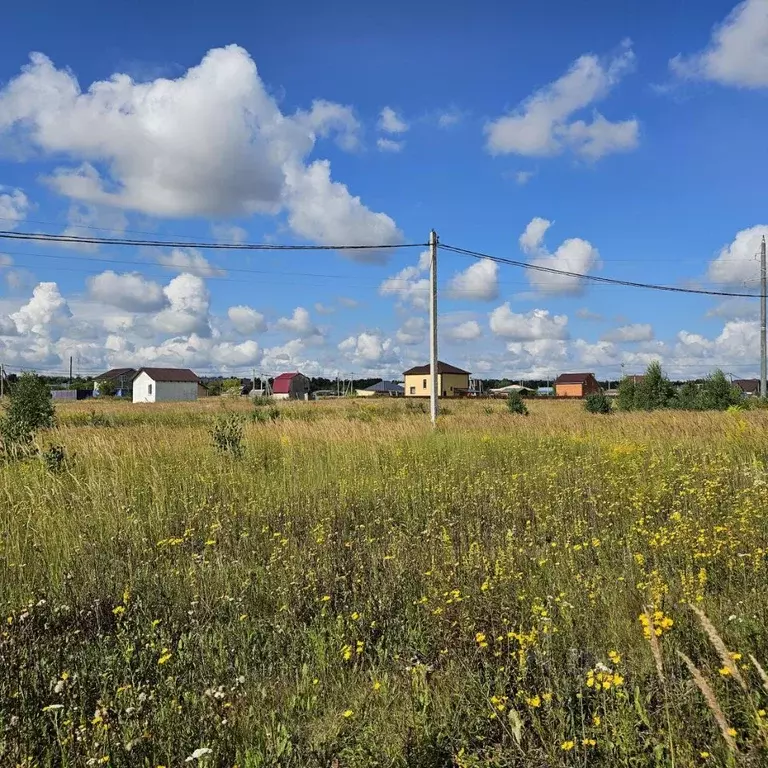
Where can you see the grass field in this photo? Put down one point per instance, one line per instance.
(358, 590)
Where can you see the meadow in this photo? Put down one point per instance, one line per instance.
(357, 589)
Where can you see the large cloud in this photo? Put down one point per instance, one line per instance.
(573, 255)
(45, 313)
(479, 281)
(409, 285)
(300, 324)
(630, 333)
(737, 54)
(246, 320)
(187, 313)
(738, 263)
(413, 331)
(212, 142)
(190, 260)
(531, 326)
(542, 125)
(130, 291)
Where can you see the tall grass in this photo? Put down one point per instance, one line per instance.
(359, 588)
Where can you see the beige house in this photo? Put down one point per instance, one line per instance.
(451, 381)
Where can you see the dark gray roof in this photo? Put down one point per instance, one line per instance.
(385, 386)
(442, 367)
(116, 373)
(169, 374)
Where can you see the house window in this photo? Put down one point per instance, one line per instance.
(423, 383)
(149, 389)
(413, 390)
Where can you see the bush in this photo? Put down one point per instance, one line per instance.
(718, 394)
(227, 435)
(654, 391)
(30, 408)
(54, 458)
(107, 388)
(258, 400)
(516, 405)
(597, 402)
(265, 415)
(626, 398)
(687, 397)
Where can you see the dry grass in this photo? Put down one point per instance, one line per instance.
(362, 589)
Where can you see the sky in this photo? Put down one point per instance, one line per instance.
(626, 140)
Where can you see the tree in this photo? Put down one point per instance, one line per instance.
(597, 402)
(29, 408)
(717, 393)
(687, 397)
(654, 390)
(626, 397)
(515, 404)
(107, 387)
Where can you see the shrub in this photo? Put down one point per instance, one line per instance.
(626, 398)
(687, 397)
(29, 408)
(227, 435)
(718, 394)
(259, 400)
(516, 405)
(654, 391)
(54, 458)
(597, 402)
(265, 415)
(107, 388)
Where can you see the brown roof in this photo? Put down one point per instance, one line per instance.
(422, 370)
(748, 385)
(574, 378)
(116, 373)
(169, 374)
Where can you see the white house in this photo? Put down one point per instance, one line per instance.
(164, 385)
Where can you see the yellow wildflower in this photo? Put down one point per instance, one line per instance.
(567, 746)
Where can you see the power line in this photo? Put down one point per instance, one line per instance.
(591, 278)
(81, 240)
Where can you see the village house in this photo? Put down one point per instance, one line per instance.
(290, 386)
(576, 385)
(451, 381)
(382, 389)
(165, 385)
(748, 387)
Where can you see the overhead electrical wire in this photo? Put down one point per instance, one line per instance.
(82, 240)
(592, 278)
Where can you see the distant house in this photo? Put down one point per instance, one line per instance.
(576, 384)
(120, 378)
(165, 385)
(748, 387)
(506, 391)
(382, 389)
(451, 381)
(290, 386)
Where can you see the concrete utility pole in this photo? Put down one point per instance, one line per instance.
(433, 325)
(763, 363)
(69, 386)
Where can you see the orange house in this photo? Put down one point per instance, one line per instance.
(576, 384)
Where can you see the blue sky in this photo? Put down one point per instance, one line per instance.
(623, 141)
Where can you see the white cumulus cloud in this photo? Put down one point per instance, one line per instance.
(409, 285)
(630, 333)
(530, 326)
(413, 331)
(189, 260)
(542, 125)
(246, 319)
(45, 313)
(466, 331)
(479, 281)
(389, 145)
(130, 291)
(14, 205)
(737, 54)
(300, 323)
(573, 255)
(189, 302)
(738, 263)
(212, 142)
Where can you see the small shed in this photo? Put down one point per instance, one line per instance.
(382, 389)
(576, 384)
(290, 386)
(166, 385)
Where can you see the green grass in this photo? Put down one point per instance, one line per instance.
(357, 587)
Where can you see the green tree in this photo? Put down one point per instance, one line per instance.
(29, 408)
(687, 397)
(654, 390)
(597, 402)
(515, 404)
(107, 387)
(717, 393)
(625, 401)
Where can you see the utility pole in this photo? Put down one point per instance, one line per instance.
(763, 363)
(433, 325)
(2, 380)
(70, 373)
